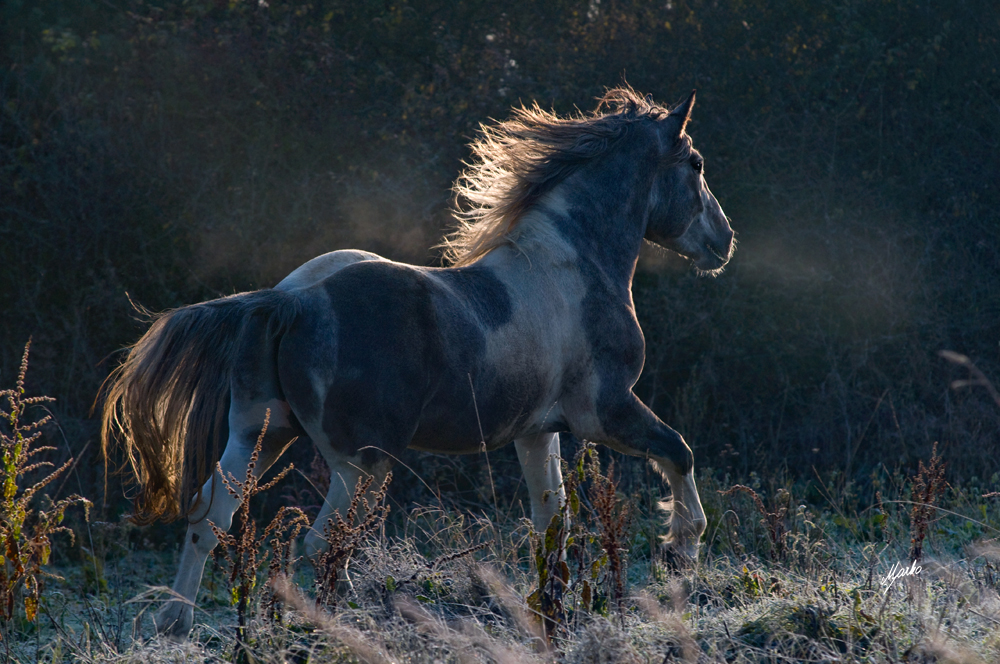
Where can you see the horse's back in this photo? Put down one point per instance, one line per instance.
(315, 270)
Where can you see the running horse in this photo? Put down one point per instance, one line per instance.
(530, 331)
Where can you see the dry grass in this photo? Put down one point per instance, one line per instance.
(449, 587)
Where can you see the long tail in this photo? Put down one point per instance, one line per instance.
(168, 402)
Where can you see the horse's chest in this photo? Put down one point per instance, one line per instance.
(613, 336)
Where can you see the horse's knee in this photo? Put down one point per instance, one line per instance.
(201, 536)
(671, 452)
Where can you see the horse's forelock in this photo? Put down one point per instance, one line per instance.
(518, 160)
(680, 152)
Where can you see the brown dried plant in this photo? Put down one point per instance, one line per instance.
(927, 486)
(613, 519)
(554, 580)
(22, 556)
(244, 552)
(343, 537)
(568, 542)
(284, 529)
(774, 522)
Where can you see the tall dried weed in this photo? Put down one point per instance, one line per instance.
(927, 487)
(344, 535)
(244, 552)
(24, 531)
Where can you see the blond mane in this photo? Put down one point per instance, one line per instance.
(516, 161)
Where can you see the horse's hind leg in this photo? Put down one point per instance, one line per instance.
(539, 457)
(177, 615)
(254, 390)
(344, 475)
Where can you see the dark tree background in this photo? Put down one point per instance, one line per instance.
(170, 152)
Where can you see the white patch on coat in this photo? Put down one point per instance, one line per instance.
(543, 338)
(321, 267)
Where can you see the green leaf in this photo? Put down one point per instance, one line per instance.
(552, 534)
(595, 568)
(534, 600)
(390, 584)
(540, 564)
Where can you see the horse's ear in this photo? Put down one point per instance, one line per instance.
(682, 113)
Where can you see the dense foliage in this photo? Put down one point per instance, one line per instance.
(169, 152)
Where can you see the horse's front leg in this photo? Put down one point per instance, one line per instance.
(539, 457)
(632, 428)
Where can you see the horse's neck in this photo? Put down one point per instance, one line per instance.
(591, 229)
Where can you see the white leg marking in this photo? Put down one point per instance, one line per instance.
(687, 522)
(177, 615)
(539, 457)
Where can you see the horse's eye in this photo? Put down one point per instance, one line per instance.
(698, 164)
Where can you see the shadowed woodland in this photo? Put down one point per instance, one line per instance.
(163, 153)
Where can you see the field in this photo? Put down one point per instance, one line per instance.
(913, 578)
(157, 153)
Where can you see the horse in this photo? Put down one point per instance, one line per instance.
(529, 331)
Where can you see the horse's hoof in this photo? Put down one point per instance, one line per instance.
(678, 558)
(174, 620)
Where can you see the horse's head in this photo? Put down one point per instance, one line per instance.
(683, 214)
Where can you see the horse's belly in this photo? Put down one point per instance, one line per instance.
(457, 437)
(451, 424)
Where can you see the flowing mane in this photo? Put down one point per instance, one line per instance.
(518, 160)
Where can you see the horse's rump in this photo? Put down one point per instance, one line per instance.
(168, 402)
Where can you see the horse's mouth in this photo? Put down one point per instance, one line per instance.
(724, 257)
(712, 260)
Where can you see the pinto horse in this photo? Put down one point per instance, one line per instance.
(530, 331)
